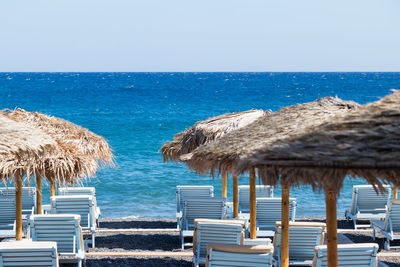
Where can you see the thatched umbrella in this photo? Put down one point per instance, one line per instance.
(206, 131)
(81, 148)
(225, 153)
(22, 149)
(363, 143)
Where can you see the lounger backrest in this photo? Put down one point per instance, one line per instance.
(302, 241)
(366, 198)
(28, 253)
(61, 228)
(216, 233)
(244, 195)
(219, 255)
(202, 207)
(28, 196)
(91, 191)
(7, 211)
(78, 204)
(360, 255)
(268, 211)
(184, 191)
(393, 213)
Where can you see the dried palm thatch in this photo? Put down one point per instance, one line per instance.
(361, 143)
(22, 149)
(225, 153)
(206, 131)
(81, 151)
(87, 142)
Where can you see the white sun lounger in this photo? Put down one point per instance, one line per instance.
(360, 255)
(390, 227)
(367, 204)
(7, 218)
(81, 205)
(61, 228)
(28, 198)
(215, 231)
(244, 195)
(183, 191)
(268, 212)
(303, 237)
(200, 207)
(222, 255)
(90, 191)
(28, 253)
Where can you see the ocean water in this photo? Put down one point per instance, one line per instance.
(138, 112)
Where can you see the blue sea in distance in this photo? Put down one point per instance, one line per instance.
(138, 112)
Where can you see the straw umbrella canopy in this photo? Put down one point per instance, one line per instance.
(205, 132)
(82, 150)
(22, 149)
(225, 153)
(363, 143)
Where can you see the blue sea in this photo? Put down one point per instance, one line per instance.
(138, 112)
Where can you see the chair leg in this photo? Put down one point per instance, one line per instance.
(373, 233)
(387, 244)
(93, 240)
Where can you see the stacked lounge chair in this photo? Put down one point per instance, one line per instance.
(28, 253)
(268, 212)
(367, 204)
(360, 255)
(215, 231)
(199, 207)
(64, 229)
(28, 198)
(184, 191)
(303, 237)
(82, 205)
(244, 195)
(390, 227)
(90, 191)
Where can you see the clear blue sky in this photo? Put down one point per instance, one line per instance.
(203, 35)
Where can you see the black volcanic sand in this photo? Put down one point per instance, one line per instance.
(342, 222)
(138, 223)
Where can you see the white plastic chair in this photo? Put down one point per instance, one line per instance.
(222, 255)
(28, 253)
(64, 229)
(360, 255)
(215, 231)
(7, 218)
(303, 237)
(200, 207)
(81, 205)
(390, 227)
(367, 204)
(244, 195)
(268, 212)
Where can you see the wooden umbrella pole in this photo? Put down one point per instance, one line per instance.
(38, 194)
(395, 190)
(235, 196)
(18, 206)
(224, 184)
(253, 227)
(52, 187)
(331, 224)
(285, 225)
